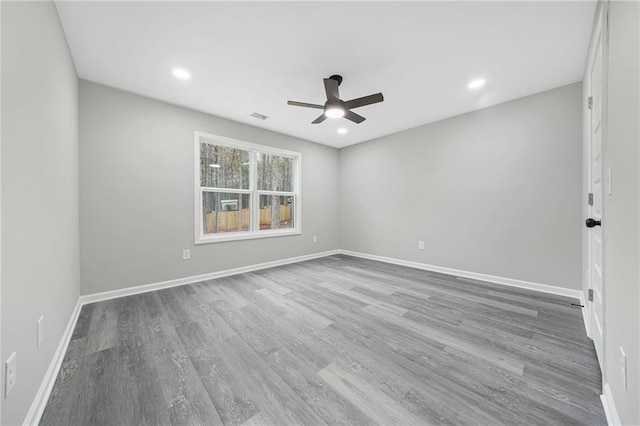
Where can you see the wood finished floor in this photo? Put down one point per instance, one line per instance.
(336, 340)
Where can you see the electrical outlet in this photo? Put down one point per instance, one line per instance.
(186, 254)
(9, 374)
(315, 238)
(420, 245)
(623, 367)
(40, 331)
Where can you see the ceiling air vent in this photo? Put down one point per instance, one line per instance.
(259, 116)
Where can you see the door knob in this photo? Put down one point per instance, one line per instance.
(592, 222)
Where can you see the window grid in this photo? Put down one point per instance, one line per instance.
(254, 209)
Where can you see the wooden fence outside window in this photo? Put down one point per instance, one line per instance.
(229, 221)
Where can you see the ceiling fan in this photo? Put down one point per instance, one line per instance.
(336, 107)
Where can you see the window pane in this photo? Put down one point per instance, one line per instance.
(276, 211)
(225, 212)
(275, 173)
(223, 167)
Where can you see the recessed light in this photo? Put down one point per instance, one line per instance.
(476, 84)
(215, 166)
(342, 131)
(181, 74)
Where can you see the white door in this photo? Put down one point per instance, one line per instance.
(595, 184)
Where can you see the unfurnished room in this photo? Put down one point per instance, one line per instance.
(320, 212)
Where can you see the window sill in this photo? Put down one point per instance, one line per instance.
(246, 236)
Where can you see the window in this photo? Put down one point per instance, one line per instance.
(244, 190)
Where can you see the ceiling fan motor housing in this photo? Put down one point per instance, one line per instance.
(336, 103)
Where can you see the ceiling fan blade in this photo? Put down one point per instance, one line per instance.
(350, 115)
(365, 100)
(319, 119)
(304, 104)
(331, 88)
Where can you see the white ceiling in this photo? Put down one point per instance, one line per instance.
(253, 57)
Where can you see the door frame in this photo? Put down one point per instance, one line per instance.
(2, 378)
(600, 29)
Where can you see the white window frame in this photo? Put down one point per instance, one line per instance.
(254, 214)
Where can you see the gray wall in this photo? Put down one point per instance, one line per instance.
(496, 191)
(40, 259)
(136, 193)
(622, 216)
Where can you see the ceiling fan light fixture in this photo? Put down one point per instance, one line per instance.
(334, 112)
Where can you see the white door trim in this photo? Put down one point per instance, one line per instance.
(600, 30)
(1, 374)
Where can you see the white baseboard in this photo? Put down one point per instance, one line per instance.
(585, 315)
(544, 288)
(40, 401)
(114, 294)
(609, 406)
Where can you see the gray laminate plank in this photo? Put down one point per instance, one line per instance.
(383, 409)
(148, 304)
(58, 409)
(178, 305)
(489, 355)
(315, 392)
(563, 305)
(143, 382)
(232, 402)
(294, 310)
(290, 334)
(504, 306)
(393, 376)
(510, 391)
(536, 348)
(374, 287)
(324, 301)
(274, 397)
(290, 276)
(257, 420)
(467, 372)
(227, 294)
(251, 333)
(410, 382)
(264, 282)
(294, 370)
(184, 394)
(204, 293)
(371, 301)
(430, 308)
(201, 310)
(168, 386)
(109, 395)
(336, 308)
(102, 333)
(84, 321)
(222, 289)
(320, 345)
(507, 321)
